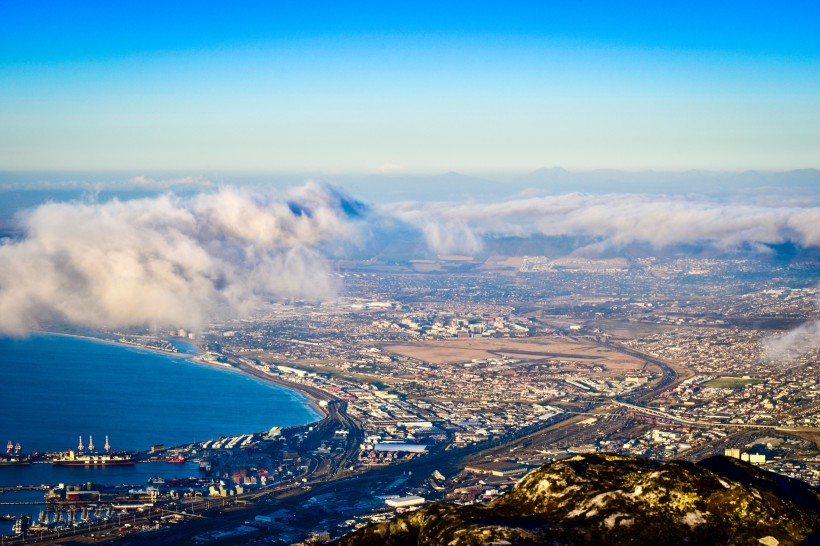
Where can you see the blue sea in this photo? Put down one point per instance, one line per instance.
(54, 389)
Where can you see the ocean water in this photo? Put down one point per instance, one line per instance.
(56, 388)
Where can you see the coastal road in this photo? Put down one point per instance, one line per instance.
(333, 408)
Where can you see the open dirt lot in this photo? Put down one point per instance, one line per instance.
(544, 348)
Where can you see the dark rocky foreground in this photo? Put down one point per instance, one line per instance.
(609, 499)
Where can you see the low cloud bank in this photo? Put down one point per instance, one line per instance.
(168, 261)
(181, 261)
(615, 219)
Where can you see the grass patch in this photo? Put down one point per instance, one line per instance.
(732, 382)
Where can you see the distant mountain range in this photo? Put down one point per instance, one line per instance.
(616, 500)
(433, 187)
(797, 184)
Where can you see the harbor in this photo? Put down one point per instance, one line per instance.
(176, 481)
(146, 412)
(96, 487)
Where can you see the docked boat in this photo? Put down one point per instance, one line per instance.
(14, 461)
(78, 458)
(176, 459)
(94, 459)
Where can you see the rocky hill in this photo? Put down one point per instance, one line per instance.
(609, 499)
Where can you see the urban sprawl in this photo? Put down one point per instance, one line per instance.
(450, 378)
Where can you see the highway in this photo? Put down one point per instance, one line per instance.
(710, 424)
(669, 375)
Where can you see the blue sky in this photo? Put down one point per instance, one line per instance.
(408, 86)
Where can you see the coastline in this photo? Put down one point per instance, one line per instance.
(312, 396)
(117, 343)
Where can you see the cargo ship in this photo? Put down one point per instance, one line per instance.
(78, 458)
(13, 457)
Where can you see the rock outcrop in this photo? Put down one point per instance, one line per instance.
(611, 499)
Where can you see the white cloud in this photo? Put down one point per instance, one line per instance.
(615, 219)
(167, 261)
(181, 261)
(787, 347)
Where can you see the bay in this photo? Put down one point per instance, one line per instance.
(55, 388)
